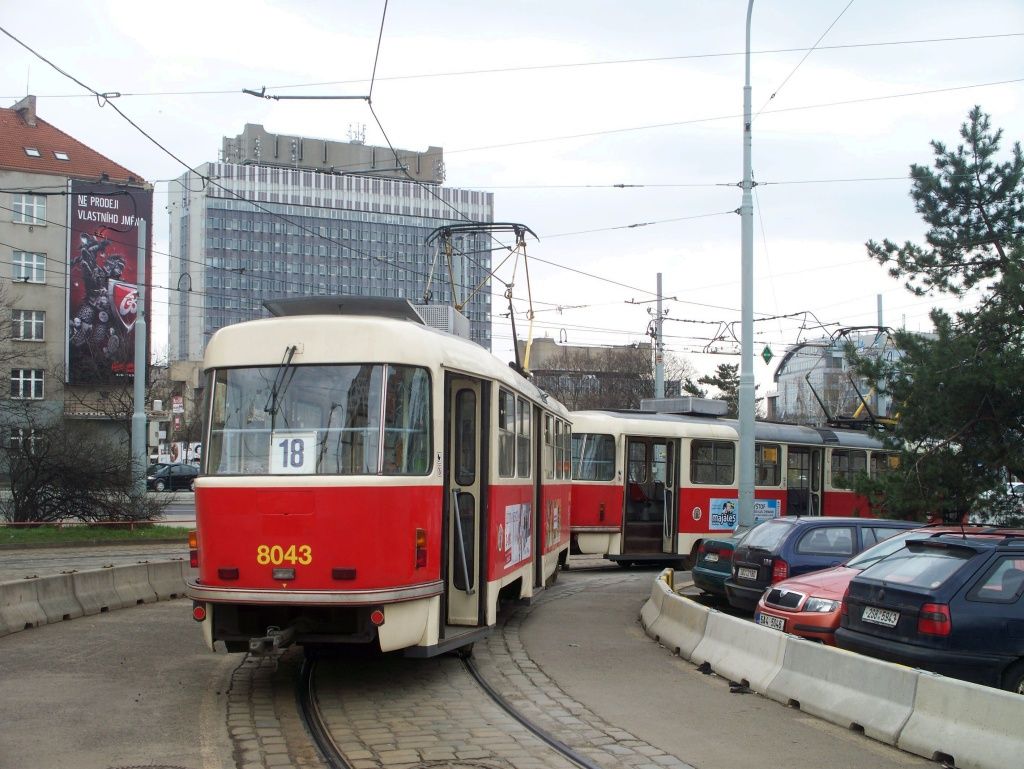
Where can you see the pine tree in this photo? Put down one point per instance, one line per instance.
(960, 392)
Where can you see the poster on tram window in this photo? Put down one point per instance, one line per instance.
(765, 510)
(102, 299)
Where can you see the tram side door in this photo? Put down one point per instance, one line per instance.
(464, 486)
(803, 481)
(649, 500)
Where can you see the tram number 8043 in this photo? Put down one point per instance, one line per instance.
(275, 555)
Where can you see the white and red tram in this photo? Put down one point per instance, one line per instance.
(368, 479)
(652, 487)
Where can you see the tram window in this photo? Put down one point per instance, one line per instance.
(567, 452)
(638, 462)
(767, 470)
(407, 421)
(882, 463)
(506, 434)
(561, 460)
(550, 469)
(465, 438)
(661, 469)
(847, 464)
(712, 462)
(523, 439)
(593, 457)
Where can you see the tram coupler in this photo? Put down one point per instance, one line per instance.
(275, 639)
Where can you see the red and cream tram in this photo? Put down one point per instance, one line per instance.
(368, 479)
(651, 487)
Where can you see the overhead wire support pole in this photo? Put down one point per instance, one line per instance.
(746, 390)
(139, 451)
(659, 350)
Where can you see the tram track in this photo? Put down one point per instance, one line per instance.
(312, 718)
(544, 736)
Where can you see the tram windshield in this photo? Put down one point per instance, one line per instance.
(371, 419)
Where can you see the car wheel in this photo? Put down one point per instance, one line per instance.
(159, 485)
(192, 485)
(1013, 678)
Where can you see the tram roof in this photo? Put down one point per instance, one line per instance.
(651, 423)
(323, 336)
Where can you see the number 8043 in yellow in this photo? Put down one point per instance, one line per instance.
(275, 555)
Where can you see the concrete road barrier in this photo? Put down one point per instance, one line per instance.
(847, 689)
(57, 598)
(132, 585)
(740, 650)
(167, 579)
(682, 624)
(95, 591)
(19, 606)
(651, 609)
(970, 726)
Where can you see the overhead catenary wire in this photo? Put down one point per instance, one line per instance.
(546, 67)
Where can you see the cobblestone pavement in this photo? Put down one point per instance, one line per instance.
(395, 713)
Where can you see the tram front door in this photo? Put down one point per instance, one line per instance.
(648, 521)
(464, 487)
(803, 481)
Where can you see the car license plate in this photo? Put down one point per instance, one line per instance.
(775, 623)
(711, 557)
(746, 573)
(886, 617)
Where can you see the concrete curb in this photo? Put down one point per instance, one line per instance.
(30, 603)
(939, 718)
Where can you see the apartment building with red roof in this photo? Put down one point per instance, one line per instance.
(69, 269)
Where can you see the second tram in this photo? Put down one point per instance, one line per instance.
(368, 479)
(652, 487)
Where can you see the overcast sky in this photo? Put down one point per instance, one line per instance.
(550, 104)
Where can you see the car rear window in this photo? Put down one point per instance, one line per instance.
(917, 566)
(768, 534)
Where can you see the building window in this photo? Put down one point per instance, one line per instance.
(27, 383)
(61, 155)
(29, 267)
(32, 152)
(22, 439)
(27, 325)
(29, 209)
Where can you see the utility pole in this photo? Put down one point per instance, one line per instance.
(746, 399)
(139, 458)
(659, 351)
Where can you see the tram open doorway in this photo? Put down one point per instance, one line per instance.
(803, 481)
(649, 506)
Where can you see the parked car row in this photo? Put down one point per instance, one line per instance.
(941, 598)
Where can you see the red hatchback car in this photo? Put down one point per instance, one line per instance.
(810, 605)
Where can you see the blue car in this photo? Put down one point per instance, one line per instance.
(950, 604)
(793, 545)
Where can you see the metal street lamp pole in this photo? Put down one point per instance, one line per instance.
(746, 394)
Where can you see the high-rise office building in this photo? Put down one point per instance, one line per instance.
(283, 216)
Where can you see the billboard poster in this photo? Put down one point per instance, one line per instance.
(102, 276)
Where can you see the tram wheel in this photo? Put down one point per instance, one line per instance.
(625, 564)
(465, 652)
